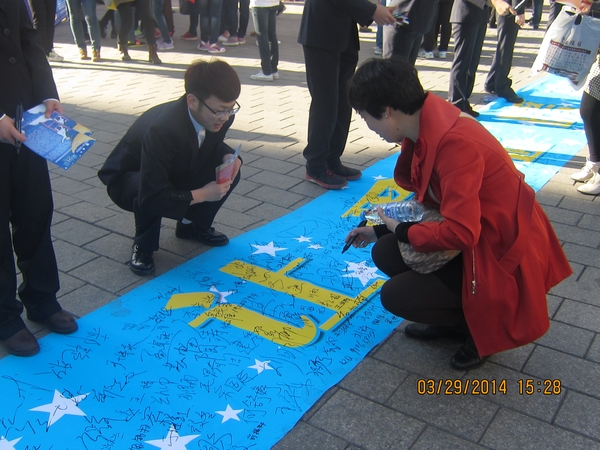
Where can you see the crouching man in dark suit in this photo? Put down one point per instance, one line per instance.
(165, 164)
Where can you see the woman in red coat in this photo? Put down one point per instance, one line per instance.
(494, 292)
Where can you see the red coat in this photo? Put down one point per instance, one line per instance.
(511, 255)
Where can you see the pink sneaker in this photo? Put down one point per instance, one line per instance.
(232, 41)
(241, 41)
(187, 36)
(204, 46)
(216, 48)
(224, 36)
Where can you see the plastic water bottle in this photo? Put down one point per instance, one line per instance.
(406, 211)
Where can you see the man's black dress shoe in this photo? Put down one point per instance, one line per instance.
(207, 237)
(509, 95)
(467, 357)
(60, 322)
(22, 343)
(142, 262)
(424, 331)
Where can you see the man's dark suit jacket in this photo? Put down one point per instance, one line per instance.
(25, 75)
(331, 24)
(162, 145)
(474, 11)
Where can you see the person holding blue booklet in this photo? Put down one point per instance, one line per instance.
(493, 294)
(165, 164)
(26, 205)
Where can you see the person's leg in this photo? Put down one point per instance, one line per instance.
(125, 19)
(38, 13)
(89, 11)
(497, 80)
(75, 17)
(322, 77)
(272, 28)
(215, 20)
(538, 5)
(430, 38)
(157, 10)
(590, 113)
(144, 12)
(168, 13)
(204, 11)
(31, 218)
(50, 6)
(337, 143)
(194, 17)
(261, 21)
(244, 18)
(230, 13)
(555, 9)
(445, 26)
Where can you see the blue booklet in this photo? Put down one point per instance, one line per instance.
(57, 138)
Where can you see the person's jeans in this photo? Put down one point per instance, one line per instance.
(78, 9)
(538, 5)
(379, 34)
(265, 20)
(157, 11)
(210, 20)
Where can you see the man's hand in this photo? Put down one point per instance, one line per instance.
(8, 132)
(212, 192)
(52, 105)
(236, 167)
(520, 19)
(503, 8)
(383, 16)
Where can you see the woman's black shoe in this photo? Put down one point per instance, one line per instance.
(467, 357)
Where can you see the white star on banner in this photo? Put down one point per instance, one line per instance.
(269, 249)
(302, 239)
(315, 246)
(261, 365)
(229, 413)
(61, 406)
(173, 441)
(362, 272)
(5, 444)
(221, 296)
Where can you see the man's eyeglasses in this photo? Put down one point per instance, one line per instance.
(223, 114)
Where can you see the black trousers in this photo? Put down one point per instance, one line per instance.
(407, 43)
(26, 204)
(142, 10)
(124, 192)
(590, 113)
(497, 79)
(433, 298)
(442, 27)
(468, 42)
(327, 75)
(43, 12)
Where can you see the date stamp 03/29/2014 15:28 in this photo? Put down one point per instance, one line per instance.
(487, 387)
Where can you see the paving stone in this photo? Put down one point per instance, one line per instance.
(554, 303)
(112, 246)
(71, 256)
(366, 424)
(574, 373)
(580, 413)
(68, 284)
(513, 359)
(580, 314)
(584, 287)
(582, 255)
(275, 196)
(105, 274)
(360, 380)
(432, 438)
(307, 437)
(558, 215)
(548, 198)
(77, 232)
(594, 351)
(567, 338)
(577, 235)
(88, 212)
(511, 430)
(440, 410)
(85, 299)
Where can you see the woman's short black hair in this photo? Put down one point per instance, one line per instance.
(214, 77)
(379, 83)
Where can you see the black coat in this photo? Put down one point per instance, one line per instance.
(331, 24)
(162, 145)
(25, 75)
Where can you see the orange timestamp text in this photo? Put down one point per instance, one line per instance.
(487, 387)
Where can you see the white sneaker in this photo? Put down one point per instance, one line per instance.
(275, 75)
(586, 172)
(53, 56)
(378, 51)
(421, 53)
(428, 55)
(165, 45)
(260, 76)
(224, 37)
(592, 186)
(442, 54)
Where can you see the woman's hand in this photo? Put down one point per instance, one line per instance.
(364, 236)
(391, 223)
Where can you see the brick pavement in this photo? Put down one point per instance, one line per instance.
(377, 405)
